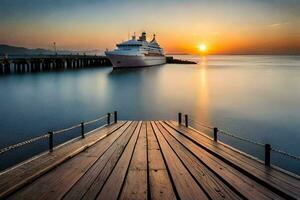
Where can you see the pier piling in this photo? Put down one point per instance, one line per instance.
(82, 129)
(50, 141)
(39, 63)
(179, 118)
(186, 120)
(108, 118)
(216, 134)
(267, 154)
(116, 116)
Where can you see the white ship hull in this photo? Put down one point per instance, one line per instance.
(127, 61)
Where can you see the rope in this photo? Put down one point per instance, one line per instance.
(201, 124)
(47, 135)
(240, 138)
(95, 120)
(286, 154)
(227, 133)
(78, 125)
(22, 143)
(247, 140)
(66, 129)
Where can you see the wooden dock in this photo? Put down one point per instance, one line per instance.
(146, 160)
(40, 63)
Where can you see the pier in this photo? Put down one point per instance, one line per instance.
(40, 63)
(172, 60)
(145, 160)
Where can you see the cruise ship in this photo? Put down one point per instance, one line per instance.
(137, 53)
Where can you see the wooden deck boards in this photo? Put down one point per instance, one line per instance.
(274, 179)
(159, 180)
(146, 160)
(243, 185)
(17, 177)
(215, 188)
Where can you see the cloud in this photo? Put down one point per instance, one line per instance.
(279, 24)
(274, 25)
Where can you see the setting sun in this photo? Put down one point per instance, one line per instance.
(202, 47)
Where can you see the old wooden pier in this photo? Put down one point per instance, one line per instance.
(146, 160)
(50, 62)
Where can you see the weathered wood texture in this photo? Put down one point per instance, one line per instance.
(282, 183)
(17, 177)
(146, 160)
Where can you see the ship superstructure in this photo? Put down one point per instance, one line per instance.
(137, 53)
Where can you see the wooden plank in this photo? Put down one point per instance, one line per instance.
(159, 181)
(135, 185)
(83, 185)
(282, 183)
(57, 182)
(215, 188)
(249, 188)
(113, 185)
(155, 158)
(17, 177)
(139, 158)
(151, 139)
(160, 185)
(186, 186)
(110, 159)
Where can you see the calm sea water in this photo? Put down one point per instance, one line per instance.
(256, 97)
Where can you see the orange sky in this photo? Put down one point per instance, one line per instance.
(231, 27)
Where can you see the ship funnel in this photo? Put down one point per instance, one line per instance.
(133, 37)
(143, 36)
(153, 40)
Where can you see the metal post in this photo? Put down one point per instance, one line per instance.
(82, 129)
(50, 141)
(216, 134)
(116, 116)
(186, 120)
(267, 154)
(108, 118)
(179, 118)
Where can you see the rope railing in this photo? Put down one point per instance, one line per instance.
(95, 120)
(201, 124)
(52, 133)
(285, 153)
(240, 138)
(216, 131)
(66, 129)
(31, 140)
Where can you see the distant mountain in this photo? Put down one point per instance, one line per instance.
(13, 50)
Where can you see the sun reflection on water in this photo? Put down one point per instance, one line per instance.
(202, 103)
